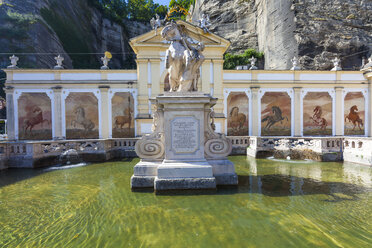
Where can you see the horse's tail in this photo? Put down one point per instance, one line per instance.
(266, 118)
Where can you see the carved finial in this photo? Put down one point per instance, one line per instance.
(336, 62)
(253, 61)
(105, 60)
(295, 66)
(59, 59)
(13, 62)
(156, 23)
(204, 23)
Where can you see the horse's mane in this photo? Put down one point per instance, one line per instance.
(232, 110)
(277, 110)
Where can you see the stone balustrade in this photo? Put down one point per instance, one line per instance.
(358, 150)
(239, 144)
(45, 153)
(316, 148)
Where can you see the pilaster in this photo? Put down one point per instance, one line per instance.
(255, 114)
(143, 77)
(57, 117)
(339, 115)
(218, 84)
(10, 124)
(205, 76)
(155, 77)
(297, 111)
(105, 111)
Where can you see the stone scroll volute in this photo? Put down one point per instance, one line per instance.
(216, 145)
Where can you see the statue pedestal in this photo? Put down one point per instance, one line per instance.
(183, 152)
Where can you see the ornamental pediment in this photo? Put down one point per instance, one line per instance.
(154, 39)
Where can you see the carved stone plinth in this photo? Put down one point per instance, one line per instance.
(183, 152)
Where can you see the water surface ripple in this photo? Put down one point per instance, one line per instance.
(276, 204)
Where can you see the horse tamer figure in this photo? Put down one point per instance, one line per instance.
(183, 58)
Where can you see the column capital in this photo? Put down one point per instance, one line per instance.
(339, 88)
(255, 88)
(9, 89)
(57, 88)
(297, 89)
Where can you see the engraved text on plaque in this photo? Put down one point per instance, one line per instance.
(185, 134)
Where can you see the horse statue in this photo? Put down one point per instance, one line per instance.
(353, 117)
(37, 118)
(318, 119)
(275, 118)
(182, 59)
(80, 119)
(237, 120)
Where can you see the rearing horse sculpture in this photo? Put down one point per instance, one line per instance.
(183, 59)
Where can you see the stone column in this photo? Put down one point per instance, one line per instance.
(368, 75)
(155, 77)
(11, 119)
(255, 115)
(143, 98)
(57, 121)
(338, 112)
(205, 76)
(218, 85)
(297, 111)
(105, 112)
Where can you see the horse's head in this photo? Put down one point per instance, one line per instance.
(317, 109)
(171, 32)
(354, 108)
(234, 111)
(80, 111)
(36, 109)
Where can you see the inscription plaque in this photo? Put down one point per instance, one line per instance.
(185, 134)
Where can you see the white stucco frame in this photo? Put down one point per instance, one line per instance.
(262, 92)
(18, 93)
(248, 93)
(112, 92)
(364, 91)
(332, 94)
(66, 93)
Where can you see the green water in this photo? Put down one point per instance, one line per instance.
(277, 204)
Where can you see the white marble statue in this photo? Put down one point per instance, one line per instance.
(183, 59)
(336, 64)
(204, 23)
(295, 66)
(156, 23)
(253, 61)
(13, 62)
(59, 59)
(105, 60)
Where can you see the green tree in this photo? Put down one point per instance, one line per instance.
(233, 60)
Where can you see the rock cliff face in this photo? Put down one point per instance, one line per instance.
(71, 27)
(314, 30)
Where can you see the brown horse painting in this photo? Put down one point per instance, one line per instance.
(126, 119)
(318, 119)
(237, 120)
(35, 119)
(353, 117)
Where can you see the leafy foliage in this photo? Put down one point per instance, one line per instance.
(233, 60)
(138, 10)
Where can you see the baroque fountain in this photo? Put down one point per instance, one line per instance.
(184, 151)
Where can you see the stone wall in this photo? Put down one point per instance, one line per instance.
(67, 27)
(316, 30)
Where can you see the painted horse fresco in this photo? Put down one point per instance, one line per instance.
(36, 119)
(237, 120)
(125, 119)
(80, 119)
(353, 117)
(275, 118)
(318, 119)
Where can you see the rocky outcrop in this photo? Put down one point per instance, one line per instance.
(314, 30)
(38, 30)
